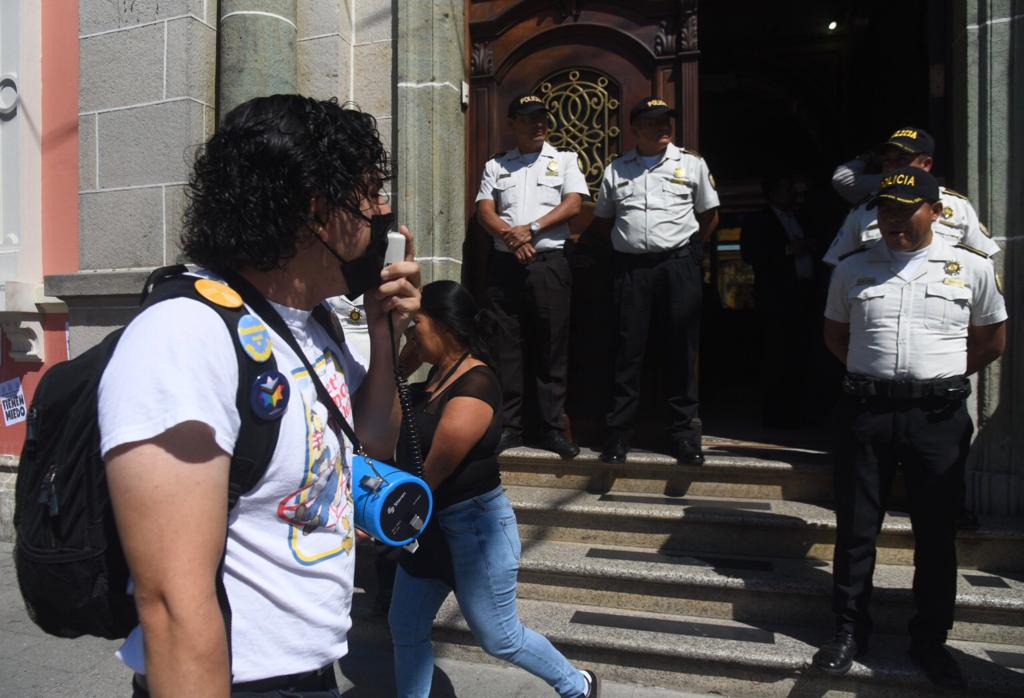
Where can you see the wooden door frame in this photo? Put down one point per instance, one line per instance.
(661, 32)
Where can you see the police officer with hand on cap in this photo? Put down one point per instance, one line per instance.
(659, 204)
(526, 199)
(906, 147)
(910, 318)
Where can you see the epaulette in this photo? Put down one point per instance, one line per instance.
(498, 155)
(862, 248)
(951, 192)
(691, 151)
(975, 250)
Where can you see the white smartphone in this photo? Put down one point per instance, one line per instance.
(396, 248)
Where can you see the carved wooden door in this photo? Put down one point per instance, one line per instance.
(590, 62)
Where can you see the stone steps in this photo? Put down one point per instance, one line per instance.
(753, 590)
(751, 526)
(730, 471)
(723, 656)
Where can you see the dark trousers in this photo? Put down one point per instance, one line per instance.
(929, 439)
(311, 684)
(532, 301)
(666, 289)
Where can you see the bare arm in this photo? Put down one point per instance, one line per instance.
(708, 221)
(170, 501)
(985, 344)
(487, 216)
(463, 423)
(837, 339)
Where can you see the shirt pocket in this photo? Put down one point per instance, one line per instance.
(947, 307)
(867, 304)
(673, 194)
(549, 190)
(505, 194)
(623, 191)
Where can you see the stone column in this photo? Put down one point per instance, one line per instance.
(989, 96)
(257, 51)
(430, 153)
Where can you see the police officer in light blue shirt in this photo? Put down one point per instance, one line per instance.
(910, 318)
(527, 197)
(659, 204)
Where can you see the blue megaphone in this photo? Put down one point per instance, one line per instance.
(391, 505)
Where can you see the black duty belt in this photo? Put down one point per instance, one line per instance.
(652, 258)
(955, 388)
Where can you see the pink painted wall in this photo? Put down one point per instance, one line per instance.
(59, 191)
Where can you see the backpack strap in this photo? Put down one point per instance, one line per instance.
(256, 438)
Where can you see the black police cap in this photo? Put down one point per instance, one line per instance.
(650, 106)
(526, 104)
(907, 185)
(912, 140)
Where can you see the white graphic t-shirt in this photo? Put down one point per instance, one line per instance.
(289, 561)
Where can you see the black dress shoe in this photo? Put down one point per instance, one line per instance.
(836, 656)
(687, 453)
(557, 442)
(938, 664)
(510, 439)
(614, 451)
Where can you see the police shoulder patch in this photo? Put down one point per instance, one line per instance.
(862, 248)
(951, 192)
(975, 250)
(691, 151)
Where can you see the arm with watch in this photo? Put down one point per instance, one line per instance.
(520, 238)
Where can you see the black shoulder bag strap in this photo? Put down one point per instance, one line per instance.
(255, 300)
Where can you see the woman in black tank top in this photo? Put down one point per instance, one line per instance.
(471, 544)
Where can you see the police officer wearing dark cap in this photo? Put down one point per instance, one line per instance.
(526, 199)
(906, 147)
(659, 204)
(910, 318)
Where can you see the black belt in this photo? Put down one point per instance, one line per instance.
(955, 388)
(316, 680)
(651, 258)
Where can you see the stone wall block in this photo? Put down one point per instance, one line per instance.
(374, 81)
(87, 151)
(385, 126)
(281, 8)
(324, 68)
(259, 53)
(191, 60)
(174, 210)
(104, 15)
(373, 20)
(155, 144)
(324, 17)
(123, 228)
(122, 68)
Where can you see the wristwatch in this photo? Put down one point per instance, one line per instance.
(534, 228)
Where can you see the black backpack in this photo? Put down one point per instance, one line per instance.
(70, 566)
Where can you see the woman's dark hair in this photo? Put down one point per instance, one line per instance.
(449, 304)
(251, 188)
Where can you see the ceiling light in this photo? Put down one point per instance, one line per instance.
(833, 25)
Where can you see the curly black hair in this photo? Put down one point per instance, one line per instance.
(251, 188)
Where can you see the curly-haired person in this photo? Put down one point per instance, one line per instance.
(283, 206)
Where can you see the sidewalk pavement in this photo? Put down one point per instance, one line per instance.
(35, 664)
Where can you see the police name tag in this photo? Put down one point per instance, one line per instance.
(959, 283)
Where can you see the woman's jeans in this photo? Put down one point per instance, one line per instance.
(484, 542)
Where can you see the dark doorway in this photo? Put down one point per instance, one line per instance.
(797, 88)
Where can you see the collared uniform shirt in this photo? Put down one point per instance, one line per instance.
(654, 208)
(958, 223)
(913, 329)
(524, 191)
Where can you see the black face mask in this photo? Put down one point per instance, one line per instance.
(363, 272)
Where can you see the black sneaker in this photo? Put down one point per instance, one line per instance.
(510, 439)
(593, 684)
(556, 441)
